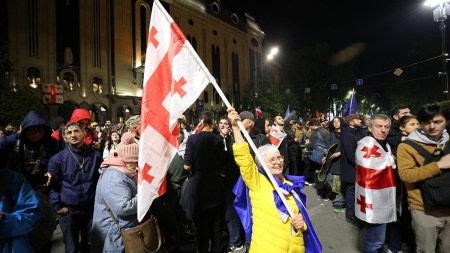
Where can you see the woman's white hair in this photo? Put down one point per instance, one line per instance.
(264, 151)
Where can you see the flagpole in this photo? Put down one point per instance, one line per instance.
(227, 103)
(246, 135)
(351, 101)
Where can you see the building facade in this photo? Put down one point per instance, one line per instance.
(96, 50)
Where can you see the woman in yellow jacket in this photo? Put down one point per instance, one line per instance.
(267, 221)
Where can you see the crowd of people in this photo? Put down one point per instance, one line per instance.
(84, 177)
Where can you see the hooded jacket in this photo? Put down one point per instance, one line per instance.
(31, 158)
(77, 116)
(20, 207)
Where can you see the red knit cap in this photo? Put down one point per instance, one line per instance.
(128, 149)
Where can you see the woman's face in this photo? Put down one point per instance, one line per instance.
(275, 163)
(115, 137)
(132, 166)
(336, 123)
(410, 126)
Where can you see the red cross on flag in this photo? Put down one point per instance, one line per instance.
(52, 93)
(174, 78)
(375, 184)
(275, 136)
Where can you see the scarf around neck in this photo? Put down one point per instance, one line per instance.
(420, 136)
(115, 162)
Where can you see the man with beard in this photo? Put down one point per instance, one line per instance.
(278, 123)
(349, 142)
(256, 134)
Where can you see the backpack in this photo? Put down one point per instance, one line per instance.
(318, 150)
(436, 190)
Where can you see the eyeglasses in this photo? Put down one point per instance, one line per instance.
(273, 160)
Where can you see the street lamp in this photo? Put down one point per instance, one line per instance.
(272, 53)
(272, 66)
(440, 15)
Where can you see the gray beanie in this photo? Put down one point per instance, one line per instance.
(247, 115)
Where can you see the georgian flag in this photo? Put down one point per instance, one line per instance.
(275, 136)
(375, 183)
(258, 113)
(52, 93)
(174, 78)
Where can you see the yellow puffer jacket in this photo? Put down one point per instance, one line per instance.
(269, 233)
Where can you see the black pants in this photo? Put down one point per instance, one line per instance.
(209, 229)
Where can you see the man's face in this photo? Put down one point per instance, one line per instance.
(74, 136)
(267, 127)
(248, 124)
(279, 121)
(85, 122)
(356, 123)
(224, 127)
(366, 120)
(380, 129)
(435, 127)
(401, 113)
(108, 123)
(35, 133)
(9, 129)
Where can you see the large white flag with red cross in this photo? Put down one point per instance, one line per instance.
(174, 78)
(375, 200)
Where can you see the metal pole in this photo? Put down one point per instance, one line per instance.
(442, 27)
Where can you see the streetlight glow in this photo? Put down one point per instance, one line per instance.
(433, 3)
(275, 50)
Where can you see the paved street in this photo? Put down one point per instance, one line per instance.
(336, 235)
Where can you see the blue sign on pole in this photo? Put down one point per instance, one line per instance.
(359, 82)
(333, 86)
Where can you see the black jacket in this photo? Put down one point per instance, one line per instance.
(349, 142)
(32, 158)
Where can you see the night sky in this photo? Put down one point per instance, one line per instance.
(389, 29)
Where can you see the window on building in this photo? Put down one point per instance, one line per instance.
(34, 77)
(97, 85)
(215, 55)
(193, 41)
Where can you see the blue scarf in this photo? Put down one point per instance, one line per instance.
(243, 208)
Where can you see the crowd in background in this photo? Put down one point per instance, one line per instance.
(83, 175)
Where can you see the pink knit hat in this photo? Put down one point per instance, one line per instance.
(128, 149)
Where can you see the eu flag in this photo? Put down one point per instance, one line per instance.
(351, 106)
